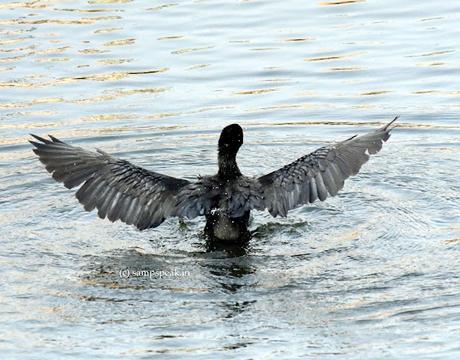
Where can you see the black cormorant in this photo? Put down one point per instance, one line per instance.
(123, 191)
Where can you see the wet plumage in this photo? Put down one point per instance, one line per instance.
(122, 191)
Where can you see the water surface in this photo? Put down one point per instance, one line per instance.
(372, 273)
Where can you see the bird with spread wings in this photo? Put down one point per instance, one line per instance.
(120, 190)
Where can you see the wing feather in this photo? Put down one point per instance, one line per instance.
(118, 189)
(320, 173)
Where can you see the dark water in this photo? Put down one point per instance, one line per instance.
(372, 273)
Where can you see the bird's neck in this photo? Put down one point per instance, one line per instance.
(228, 168)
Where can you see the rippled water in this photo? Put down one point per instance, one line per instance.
(372, 273)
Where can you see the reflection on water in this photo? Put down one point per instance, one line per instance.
(371, 273)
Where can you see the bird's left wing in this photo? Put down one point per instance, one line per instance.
(117, 188)
(320, 173)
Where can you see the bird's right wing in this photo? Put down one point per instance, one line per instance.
(117, 188)
(320, 173)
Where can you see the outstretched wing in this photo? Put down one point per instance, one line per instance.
(117, 188)
(320, 173)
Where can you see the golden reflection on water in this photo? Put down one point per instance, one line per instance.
(340, 2)
(298, 39)
(109, 1)
(376, 92)
(30, 103)
(107, 117)
(161, 7)
(191, 50)
(198, 66)
(108, 30)
(428, 64)
(81, 21)
(171, 37)
(94, 77)
(333, 57)
(50, 51)
(432, 53)
(92, 51)
(347, 69)
(114, 61)
(55, 59)
(255, 91)
(121, 42)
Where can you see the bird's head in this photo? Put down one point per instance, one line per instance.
(231, 138)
